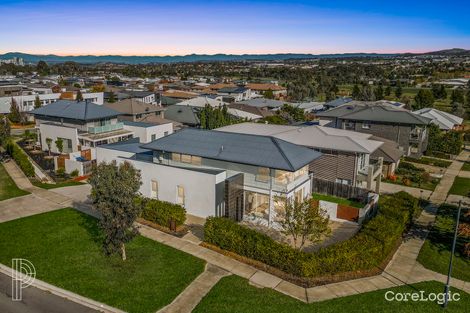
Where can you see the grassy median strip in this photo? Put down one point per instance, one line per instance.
(8, 188)
(65, 248)
(234, 294)
(461, 186)
(57, 185)
(435, 253)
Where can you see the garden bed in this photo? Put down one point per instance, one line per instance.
(409, 175)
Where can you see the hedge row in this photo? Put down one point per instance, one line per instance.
(366, 250)
(161, 212)
(20, 158)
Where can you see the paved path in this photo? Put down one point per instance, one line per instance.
(394, 188)
(193, 294)
(442, 189)
(39, 201)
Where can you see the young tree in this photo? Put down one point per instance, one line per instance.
(79, 96)
(37, 102)
(356, 92)
(114, 190)
(304, 220)
(268, 94)
(379, 93)
(49, 144)
(457, 96)
(388, 91)
(59, 143)
(15, 114)
(398, 91)
(4, 129)
(112, 98)
(42, 68)
(424, 99)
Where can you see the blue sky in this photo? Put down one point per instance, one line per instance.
(185, 27)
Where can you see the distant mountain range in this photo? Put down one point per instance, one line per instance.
(90, 59)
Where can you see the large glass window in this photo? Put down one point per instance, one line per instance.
(301, 172)
(263, 174)
(196, 160)
(185, 158)
(256, 205)
(176, 157)
(284, 177)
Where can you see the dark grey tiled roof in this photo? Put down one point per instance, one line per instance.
(83, 110)
(337, 102)
(132, 145)
(374, 112)
(239, 148)
(182, 114)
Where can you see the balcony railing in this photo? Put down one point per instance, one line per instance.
(105, 128)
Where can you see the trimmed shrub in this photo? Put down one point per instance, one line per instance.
(366, 250)
(161, 212)
(20, 158)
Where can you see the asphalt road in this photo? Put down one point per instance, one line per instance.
(36, 301)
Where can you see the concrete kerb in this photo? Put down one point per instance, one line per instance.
(95, 305)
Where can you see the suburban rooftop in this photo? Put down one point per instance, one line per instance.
(76, 110)
(255, 150)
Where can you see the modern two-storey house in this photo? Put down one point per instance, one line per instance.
(214, 173)
(407, 129)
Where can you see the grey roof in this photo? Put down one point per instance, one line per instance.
(132, 145)
(239, 148)
(310, 136)
(377, 112)
(137, 124)
(183, 114)
(168, 101)
(389, 151)
(83, 110)
(262, 102)
(444, 120)
(137, 93)
(337, 102)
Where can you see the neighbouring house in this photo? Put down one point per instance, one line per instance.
(184, 115)
(345, 155)
(337, 102)
(407, 129)
(138, 111)
(444, 120)
(263, 103)
(279, 92)
(83, 126)
(142, 96)
(390, 154)
(263, 112)
(179, 94)
(214, 173)
(26, 102)
(234, 94)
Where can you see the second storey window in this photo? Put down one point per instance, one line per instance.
(366, 125)
(154, 190)
(185, 158)
(263, 174)
(176, 157)
(180, 195)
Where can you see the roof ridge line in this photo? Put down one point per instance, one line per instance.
(275, 141)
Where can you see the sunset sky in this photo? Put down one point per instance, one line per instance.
(209, 27)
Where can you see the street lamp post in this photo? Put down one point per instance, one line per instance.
(446, 288)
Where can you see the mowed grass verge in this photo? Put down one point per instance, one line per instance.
(461, 187)
(65, 248)
(234, 294)
(436, 250)
(8, 188)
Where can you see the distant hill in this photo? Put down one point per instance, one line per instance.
(52, 58)
(454, 51)
(90, 59)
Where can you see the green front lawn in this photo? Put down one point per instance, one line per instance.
(337, 200)
(234, 294)
(435, 253)
(8, 188)
(65, 248)
(466, 166)
(430, 185)
(56, 185)
(461, 186)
